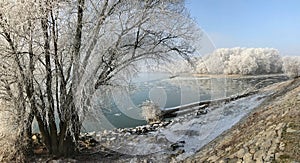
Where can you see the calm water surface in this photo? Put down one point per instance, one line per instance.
(168, 91)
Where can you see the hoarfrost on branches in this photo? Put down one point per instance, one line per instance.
(151, 112)
(245, 61)
(56, 56)
(291, 66)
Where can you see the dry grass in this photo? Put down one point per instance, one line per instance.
(249, 134)
(291, 140)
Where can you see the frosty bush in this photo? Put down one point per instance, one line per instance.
(244, 61)
(151, 112)
(291, 66)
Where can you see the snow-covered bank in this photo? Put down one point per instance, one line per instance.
(270, 133)
(199, 131)
(183, 136)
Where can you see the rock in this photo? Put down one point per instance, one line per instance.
(161, 124)
(34, 137)
(127, 134)
(248, 158)
(281, 146)
(133, 160)
(266, 144)
(181, 141)
(213, 159)
(276, 140)
(91, 134)
(259, 156)
(201, 112)
(230, 160)
(228, 149)
(279, 126)
(175, 146)
(240, 153)
(252, 150)
(105, 132)
(277, 155)
(290, 130)
(167, 123)
(89, 142)
(272, 150)
(270, 157)
(269, 123)
(144, 130)
(98, 136)
(170, 122)
(180, 151)
(155, 125)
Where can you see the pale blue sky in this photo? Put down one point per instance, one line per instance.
(250, 23)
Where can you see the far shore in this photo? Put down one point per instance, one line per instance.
(235, 75)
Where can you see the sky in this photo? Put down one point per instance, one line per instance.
(250, 23)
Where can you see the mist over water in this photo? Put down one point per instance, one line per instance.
(124, 110)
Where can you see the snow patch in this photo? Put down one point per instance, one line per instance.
(192, 131)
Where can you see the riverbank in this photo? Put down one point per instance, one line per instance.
(260, 127)
(238, 76)
(269, 134)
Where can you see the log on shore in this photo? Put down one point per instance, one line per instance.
(183, 109)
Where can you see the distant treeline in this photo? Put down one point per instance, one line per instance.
(244, 61)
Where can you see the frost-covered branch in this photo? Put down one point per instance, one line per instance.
(57, 55)
(244, 61)
(291, 66)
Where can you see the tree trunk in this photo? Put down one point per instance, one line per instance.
(69, 129)
(66, 143)
(28, 135)
(67, 146)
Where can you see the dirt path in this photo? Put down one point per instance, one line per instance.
(271, 133)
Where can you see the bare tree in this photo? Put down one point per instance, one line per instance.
(56, 55)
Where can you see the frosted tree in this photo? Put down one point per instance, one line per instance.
(245, 61)
(201, 66)
(57, 55)
(291, 66)
(232, 65)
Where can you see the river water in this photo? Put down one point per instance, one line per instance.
(166, 90)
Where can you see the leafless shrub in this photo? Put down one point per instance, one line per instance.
(151, 112)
